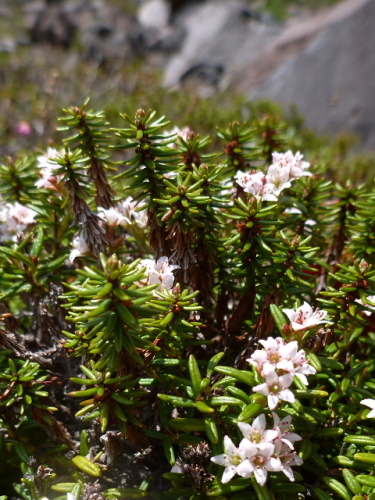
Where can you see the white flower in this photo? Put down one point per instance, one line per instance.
(80, 248)
(112, 216)
(279, 177)
(302, 366)
(371, 309)
(257, 433)
(131, 216)
(14, 219)
(160, 272)
(232, 457)
(21, 214)
(260, 463)
(256, 184)
(282, 427)
(70, 496)
(287, 459)
(289, 164)
(48, 179)
(305, 317)
(276, 388)
(371, 404)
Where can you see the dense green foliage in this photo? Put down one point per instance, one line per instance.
(107, 379)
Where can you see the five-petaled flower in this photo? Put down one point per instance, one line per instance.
(232, 458)
(305, 317)
(257, 432)
(160, 272)
(276, 388)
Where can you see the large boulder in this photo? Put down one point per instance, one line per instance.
(326, 67)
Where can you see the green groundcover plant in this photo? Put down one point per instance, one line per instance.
(182, 324)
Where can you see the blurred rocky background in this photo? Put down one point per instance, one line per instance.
(188, 59)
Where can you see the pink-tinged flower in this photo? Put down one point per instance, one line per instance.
(287, 459)
(160, 272)
(289, 359)
(280, 355)
(47, 170)
(23, 128)
(255, 183)
(112, 216)
(233, 457)
(290, 163)
(80, 248)
(302, 366)
(14, 219)
(283, 428)
(270, 353)
(279, 177)
(185, 133)
(21, 214)
(257, 432)
(276, 388)
(370, 309)
(305, 317)
(281, 358)
(371, 404)
(260, 463)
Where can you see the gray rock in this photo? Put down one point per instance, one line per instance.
(326, 68)
(168, 40)
(154, 14)
(219, 34)
(113, 37)
(102, 32)
(54, 25)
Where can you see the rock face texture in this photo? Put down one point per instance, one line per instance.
(222, 37)
(326, 67)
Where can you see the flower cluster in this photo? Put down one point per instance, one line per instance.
(285, 168)
(305, 317)
(160, 272)
(14, 219)
(261, 450)
(125, 215)
(278, 363)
